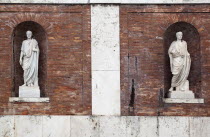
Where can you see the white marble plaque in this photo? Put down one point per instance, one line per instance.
(173, 126)
(56, 126)
(85, 126)
(106, 93)
(141, 126)
(7, 126)
(199, 127)
(28, 126)
(112, 126)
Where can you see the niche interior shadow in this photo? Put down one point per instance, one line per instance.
(192, 37)
(19, 35)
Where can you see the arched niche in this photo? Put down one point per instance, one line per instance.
(192, 37)
(19, 34)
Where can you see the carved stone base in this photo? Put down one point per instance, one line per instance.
(21, 99)
(29, 92)
(181, 94)
(182, 97)
(177, 100)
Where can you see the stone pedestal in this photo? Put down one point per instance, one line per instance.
(182, 97)
(178, 100)
(181, 94)
(29, 92)
(27, 99)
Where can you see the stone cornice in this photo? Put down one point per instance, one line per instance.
(106, 1)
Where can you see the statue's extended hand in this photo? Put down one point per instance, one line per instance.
(34, 49)
(21, 62)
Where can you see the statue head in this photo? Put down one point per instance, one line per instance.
(29, 34)
(179, 35)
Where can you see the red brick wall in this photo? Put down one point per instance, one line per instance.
(68, 76)
(143, 58)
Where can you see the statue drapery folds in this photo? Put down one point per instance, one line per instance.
(29, 58)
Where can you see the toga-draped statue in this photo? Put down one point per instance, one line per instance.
(180, 64)
(29, 58)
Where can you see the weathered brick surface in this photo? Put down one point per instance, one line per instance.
(144, 70)
(68, 67)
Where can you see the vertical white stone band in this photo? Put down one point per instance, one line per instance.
(105, 59)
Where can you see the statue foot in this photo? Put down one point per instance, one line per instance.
(31, 85)
(182, 89)
(171, 89)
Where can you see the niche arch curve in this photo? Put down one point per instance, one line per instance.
(18, 36)
(192, 37)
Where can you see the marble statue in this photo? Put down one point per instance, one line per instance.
(29, 59)
(180, 62)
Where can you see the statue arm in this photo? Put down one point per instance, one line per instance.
(186, 51)
(170, 55)
(21, 55)
(36, 48)
(188, 54)
(171, 49)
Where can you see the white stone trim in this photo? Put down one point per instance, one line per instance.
(105, 59)
(103, 126)
(21, 99)
(163, 1)
(107, 1)
(177, 100)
